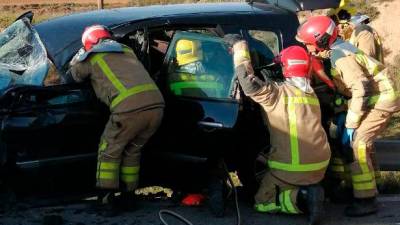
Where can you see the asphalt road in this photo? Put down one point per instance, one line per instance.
(147, 214)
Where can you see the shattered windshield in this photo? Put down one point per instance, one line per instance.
(23, 58)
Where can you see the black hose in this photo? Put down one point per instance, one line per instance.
(235, 196)
(174, 214)
(186, 221)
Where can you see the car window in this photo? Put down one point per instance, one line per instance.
(23, 58)
(264, 46)
(199, 65)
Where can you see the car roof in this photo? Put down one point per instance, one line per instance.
(69, 28)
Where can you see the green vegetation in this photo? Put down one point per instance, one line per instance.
(366, 7)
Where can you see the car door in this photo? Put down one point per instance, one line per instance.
(201, 109)
(43, 120)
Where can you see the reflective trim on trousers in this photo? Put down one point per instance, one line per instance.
(130, 174)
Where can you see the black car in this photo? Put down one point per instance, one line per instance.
(50, 125)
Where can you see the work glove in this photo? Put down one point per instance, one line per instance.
(231, 39)
(347, 137)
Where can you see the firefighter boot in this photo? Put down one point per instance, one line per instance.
(362, 207)
(105, 205)
(310, 200)
(127, 201)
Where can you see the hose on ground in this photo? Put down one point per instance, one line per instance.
(186, 221)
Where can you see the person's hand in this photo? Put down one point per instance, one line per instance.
(231, 39)
(347, 137)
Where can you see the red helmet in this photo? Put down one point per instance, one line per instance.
(320, 31)
(93, 34)
(295, 62)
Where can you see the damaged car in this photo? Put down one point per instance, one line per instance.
(52, 127)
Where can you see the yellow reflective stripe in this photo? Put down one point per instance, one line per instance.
(288, 202)
(301, 100)
(98, 58)
(130, 169)
(294, 142)
(390, 94)
(364, 186)
(130, 178)
(369, 63)
(334, 72)
(109, 166)
(178, 86)
(243, 54)
(103, 145)
(354, 117)
(271, 207)
(132, 91)
(362, 177)
(337, 168)
(298, 168)
(105, 175)
(362, 157)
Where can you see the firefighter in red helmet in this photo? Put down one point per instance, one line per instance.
(373, 98)
(136, 105)
(299, 153)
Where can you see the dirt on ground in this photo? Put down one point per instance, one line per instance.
(386, 24)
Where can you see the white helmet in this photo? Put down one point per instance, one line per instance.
(359, 19)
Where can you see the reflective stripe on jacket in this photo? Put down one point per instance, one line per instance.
(299, 147)
(119, 80)
(368, 81)
(195, 85)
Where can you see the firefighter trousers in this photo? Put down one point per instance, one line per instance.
(120, 148)
(275, 195)
(362, 170)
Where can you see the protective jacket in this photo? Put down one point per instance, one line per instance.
(365, 80)
(118, 78)
(368, 41)
(299, 148)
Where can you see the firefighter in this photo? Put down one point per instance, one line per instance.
(191, 77)
(136, 105)
(354, 28)
(300, 151)
(373, 97)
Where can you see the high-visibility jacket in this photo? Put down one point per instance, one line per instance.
(365, 80)
(119, 80)
(368, 41)
(299, 147)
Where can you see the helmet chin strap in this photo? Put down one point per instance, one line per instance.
(301, 83)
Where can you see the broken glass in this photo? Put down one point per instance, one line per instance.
(23, 58)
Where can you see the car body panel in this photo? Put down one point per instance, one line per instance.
(62, 123)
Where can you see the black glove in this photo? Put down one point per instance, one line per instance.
(231, 39)
(250, 84)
